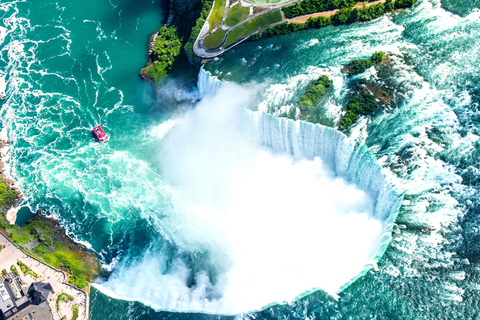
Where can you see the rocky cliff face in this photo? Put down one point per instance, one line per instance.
(183, 15)
(194, 60)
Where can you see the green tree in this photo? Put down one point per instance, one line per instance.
(354, 15)
(404, 3)
(358, 66)
(377, 57)
(314, 93)
(389, 6)
(359, 104)
(168, 46)
(341, 16)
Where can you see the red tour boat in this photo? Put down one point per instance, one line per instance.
(100, 134)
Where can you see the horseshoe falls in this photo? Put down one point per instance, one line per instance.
(249, 187)
(208, 203)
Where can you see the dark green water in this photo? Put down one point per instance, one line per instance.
(70, 66)
(23, 215)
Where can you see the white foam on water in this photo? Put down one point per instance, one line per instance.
(3, 33)
(433, 173)
(280, 97)
(161, 130)
(271, 223)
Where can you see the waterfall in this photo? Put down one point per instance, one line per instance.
(256, 199)
(345, 157)
(207, 84)
(351, 160)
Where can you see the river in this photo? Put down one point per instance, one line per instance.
(202, 204)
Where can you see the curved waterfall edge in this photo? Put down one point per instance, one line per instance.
(347, 158)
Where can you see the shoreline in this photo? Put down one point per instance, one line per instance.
(12, 207)
(328, 14)
(40, 241)
(12, 253)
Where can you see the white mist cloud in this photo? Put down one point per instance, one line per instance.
(273, 227)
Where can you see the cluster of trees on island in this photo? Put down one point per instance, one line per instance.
(314, 93)
(346, 14)
(362, 103)
(168, 46)
(358, 66)
(181, 34)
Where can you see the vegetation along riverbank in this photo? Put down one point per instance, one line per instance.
(43, 238)
(345, 14)
(206, 28)
(171, 47)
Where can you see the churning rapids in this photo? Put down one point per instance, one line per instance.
(272, 207)
(205, 200)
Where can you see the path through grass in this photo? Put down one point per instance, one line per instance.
(252, 25)
(217, 14)
(237, 14)
(48, 242)
(215, 39)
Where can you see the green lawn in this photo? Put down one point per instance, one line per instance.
(22, 235)
(217, 13)
(252, 25)
(236, 14)
(62, 254)
(7, 195)
(215, 39)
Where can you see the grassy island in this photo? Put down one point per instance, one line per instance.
(171, 47)
(314, 93)
(360, 104)
(367, 97)
(167, 47)
(357, 66)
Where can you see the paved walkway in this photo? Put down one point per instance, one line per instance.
(204, 52)
(11, 254)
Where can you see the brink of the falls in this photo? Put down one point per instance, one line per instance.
(261, 210)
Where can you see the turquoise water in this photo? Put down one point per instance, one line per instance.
(70, 66)
(23, 215)
(59, 62)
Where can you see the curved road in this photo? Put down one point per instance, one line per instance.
(204, 52)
